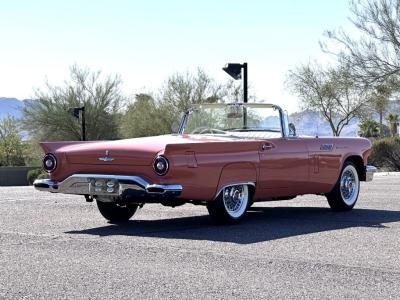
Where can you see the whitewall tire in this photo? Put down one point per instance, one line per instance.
(345, 193)
(231, 204)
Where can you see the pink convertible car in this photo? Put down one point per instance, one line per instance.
(225, 156)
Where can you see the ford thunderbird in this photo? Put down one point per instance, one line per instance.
(224, 156)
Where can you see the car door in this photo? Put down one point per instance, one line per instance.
(283, 167)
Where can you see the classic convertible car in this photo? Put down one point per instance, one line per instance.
(225, 156)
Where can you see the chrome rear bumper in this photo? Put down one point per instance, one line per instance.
(369, 173)
(107, 185)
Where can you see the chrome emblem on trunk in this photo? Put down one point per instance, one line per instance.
(106, 158)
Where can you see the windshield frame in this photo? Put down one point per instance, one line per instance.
(284, 131)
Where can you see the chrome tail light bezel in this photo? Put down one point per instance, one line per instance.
(53, 158)
(164, 160)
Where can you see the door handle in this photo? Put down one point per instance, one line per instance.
(267, 147)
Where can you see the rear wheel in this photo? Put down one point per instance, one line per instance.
(345, 193)
(115, 212)
(231, 205)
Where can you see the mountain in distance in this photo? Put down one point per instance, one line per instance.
(11, 106)
(312, 123)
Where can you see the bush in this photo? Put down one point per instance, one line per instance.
(35, 174)
(386, 154)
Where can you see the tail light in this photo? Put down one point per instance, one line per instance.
(49, 162)
(161, 165)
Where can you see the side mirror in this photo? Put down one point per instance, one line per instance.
(292, 129)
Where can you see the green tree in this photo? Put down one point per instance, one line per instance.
(48, 119)
(148, 115)
(393, 120)
(380, 102)
(330, 91)
(368, 128)
(144, 118)
(181, 91)
(33, 154)
(11, 146)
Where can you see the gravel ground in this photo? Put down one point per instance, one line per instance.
(59, 247)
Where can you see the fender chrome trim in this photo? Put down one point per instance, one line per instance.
(106, 185)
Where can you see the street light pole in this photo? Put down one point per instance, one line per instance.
(83, 124)
(80, 112)
(245, 96)
(235, 71)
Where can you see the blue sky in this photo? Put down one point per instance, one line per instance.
(146, 41)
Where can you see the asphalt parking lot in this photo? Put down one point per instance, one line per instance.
(57, 246)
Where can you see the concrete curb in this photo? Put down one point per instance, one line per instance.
(387, 174)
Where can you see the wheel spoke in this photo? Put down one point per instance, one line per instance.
(235, 200)
(349, 186)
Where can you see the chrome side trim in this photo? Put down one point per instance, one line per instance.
(84, 184)
(369, 173)
(232, 184)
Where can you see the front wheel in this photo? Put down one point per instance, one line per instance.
(115, 212)
(345, 193)
(231, 205)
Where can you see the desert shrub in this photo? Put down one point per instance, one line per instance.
(35, 174)
(43, 175)
(386, 154)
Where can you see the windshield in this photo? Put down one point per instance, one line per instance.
(233, 118)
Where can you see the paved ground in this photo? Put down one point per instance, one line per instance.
(55, 246)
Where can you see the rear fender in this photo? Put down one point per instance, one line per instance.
(52, 147)
(237, 173)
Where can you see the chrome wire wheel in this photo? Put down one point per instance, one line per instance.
(235, 199)
(349, 185)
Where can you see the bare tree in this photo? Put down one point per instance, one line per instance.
(330, 91)
(374, 56)
(182, 90)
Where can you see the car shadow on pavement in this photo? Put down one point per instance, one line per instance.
(261, 224)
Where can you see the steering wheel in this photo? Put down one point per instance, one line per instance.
(205, 129)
